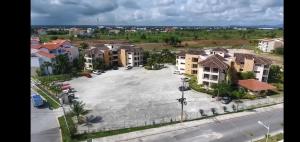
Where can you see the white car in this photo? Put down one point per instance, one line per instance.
(96, 72)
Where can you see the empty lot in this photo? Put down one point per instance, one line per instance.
(137, 97)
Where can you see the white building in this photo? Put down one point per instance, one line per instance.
(212, 70)
(268, 45)
(180, 62)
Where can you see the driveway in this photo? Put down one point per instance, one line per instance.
(44, 125)
(135, 97)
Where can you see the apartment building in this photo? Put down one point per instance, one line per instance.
(180, 62)
(99, 52)
(47, 52)
(212, 70)
(249, 62)
(220, 51)
(130, 56)
(192, 57)
(268, 45)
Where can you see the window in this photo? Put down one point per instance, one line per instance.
(264, 79)
(214, 77)
(181, 68)
(256, 72)
(265, 72)
(215, 70)
(182, 63)
(257, 65)
(90, 66)
(134, 58)
(194, 59)
(241, 69)
(194, 66)
(267, 66)
(129, 58)
(242, 63)
(207, 69)
(205, 83)
(182, 57)
(134, 54)
(135, 64)
(206, 76)
(194, 72)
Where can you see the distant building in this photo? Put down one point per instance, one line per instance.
(130, 56)
(114, 31)
(89, 31)
(268, 45)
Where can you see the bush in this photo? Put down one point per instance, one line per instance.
(279, 86)
(249, 96)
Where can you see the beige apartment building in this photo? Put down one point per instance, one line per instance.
(192, 58)
(130, 56)
(212, 70)
(249, 62)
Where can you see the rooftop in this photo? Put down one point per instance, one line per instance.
(214, 61)
(196, 52)
(54, 44)
(220, 49)
(45, 54)
(255, 85)
(240, 57)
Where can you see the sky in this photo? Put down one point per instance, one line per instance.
(157, 12)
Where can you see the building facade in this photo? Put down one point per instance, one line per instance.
(130, 56)
(268, 45)
(249, 62)
(212, 70)
(187, 62)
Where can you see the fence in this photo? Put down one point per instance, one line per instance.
(171, 118)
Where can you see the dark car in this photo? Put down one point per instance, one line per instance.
(226, 100)
(182, 88)
(115, 68)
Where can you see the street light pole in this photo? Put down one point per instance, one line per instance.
(267, 127)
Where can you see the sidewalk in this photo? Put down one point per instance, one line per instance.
(153, 131)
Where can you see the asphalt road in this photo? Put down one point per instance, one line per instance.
(231, 130)
(44, 125)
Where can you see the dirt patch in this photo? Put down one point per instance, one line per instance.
(229, 42)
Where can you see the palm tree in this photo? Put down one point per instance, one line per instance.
(222, 88)
(78, 108)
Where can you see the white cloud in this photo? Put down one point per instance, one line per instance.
(157, 12)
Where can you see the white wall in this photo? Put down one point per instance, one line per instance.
(260, 69)
(180, 64)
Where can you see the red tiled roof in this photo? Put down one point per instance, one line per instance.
(38, 46)
(214, 61)
(255, 85)
(54, 44)
(45, 54)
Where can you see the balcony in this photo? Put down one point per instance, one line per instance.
(206, 69)
(215, 70)
(206, 76)
(214, 77)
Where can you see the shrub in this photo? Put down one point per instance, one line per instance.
(233, 107)
(213, 110)
(249, 96)
(201, 111)
(225, 108)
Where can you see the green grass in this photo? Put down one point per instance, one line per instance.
(66, 137)
(51, 78)
(53, 104)
(274, 138)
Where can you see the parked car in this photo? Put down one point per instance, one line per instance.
(115, 68)
(176, 72)
(186, 79)
(37, 100)
(226, 100)
(96, 72)
(128, 67)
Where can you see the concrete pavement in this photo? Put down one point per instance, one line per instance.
(226, 128)
(44, 124)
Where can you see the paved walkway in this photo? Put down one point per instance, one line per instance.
(154, 131)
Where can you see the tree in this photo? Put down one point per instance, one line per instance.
(83, 45)
(53, 37)
(275, 74)
(47, 65)
(98, 64)
(278, 51)
(77, 108)
(222, 89)
(40, 72)
(143, 36)
(247, 75)
(146, 55)
(238, 94)
(62, 64)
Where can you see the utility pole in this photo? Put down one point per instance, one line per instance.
(182, 100)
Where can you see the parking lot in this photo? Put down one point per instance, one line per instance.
(136, 97)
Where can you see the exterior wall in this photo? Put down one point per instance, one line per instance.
(189, 64)
(268, 46)
(258, 70)
(35, 62)
(248, 65)
(180, 64)
(123, 58)
(106, 56)
(130, 61)
(88, 65)
(201, 79)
